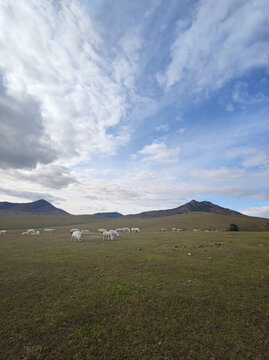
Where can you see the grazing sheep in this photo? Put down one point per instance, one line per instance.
(85, 232)
(126, 230)
(107, 235)
(76, 236)
(135, 230)
(100, 231)
(31, 231)
(48, 231)
(174, 229)
(179, 230)
(114, 233)
(163, 230)
(3, 232)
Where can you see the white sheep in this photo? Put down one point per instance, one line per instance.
(135, 230)
(107, 235)
(31, 231)
(76, 236)
(114, 233)
(48, 231)
(85, 232)
(100, 231)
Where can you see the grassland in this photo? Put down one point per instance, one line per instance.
(139, 297)
(190, 221)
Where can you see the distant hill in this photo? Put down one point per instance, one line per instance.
(39, 207)
(201, 206)
(112, 215)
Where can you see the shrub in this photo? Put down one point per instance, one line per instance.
(233, 227)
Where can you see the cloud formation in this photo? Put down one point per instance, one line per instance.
(24, 141)
(84, 121)
(211, 50)
(53, 54)
(262, 211)
(158, 152)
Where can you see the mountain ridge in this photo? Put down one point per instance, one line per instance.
(112, 215)
(40, 207)
(43, 207)
(191, 206)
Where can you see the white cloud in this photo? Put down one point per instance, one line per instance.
(219, 47)
(221, 174)
(251, 157)
(158, 152)
(25, 195)
(262, 211)
(53, 53)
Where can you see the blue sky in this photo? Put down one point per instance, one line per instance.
(135, 105)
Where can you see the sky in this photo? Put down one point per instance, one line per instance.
(129, 106)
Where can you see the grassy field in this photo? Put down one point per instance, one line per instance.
(190, 221)
(139, 297)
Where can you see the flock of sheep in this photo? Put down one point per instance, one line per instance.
(76, 234)
(173, 229)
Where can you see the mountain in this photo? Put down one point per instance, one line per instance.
(112, 215)
(201, 206)
(40, 207)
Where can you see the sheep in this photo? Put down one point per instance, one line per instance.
(174, 229)
(163, 230)
(48, 231)
(100, 231)
(84, 231)
(3, 232)
(179, 230)
(114, 233)
(135, 230)
(31, 231)
(126, 230)
(76, 236)
(107, 235)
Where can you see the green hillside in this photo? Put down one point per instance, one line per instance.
(190, 221)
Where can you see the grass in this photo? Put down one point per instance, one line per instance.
(190, 221)
(139, 297)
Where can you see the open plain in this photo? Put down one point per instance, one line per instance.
(149, 295)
